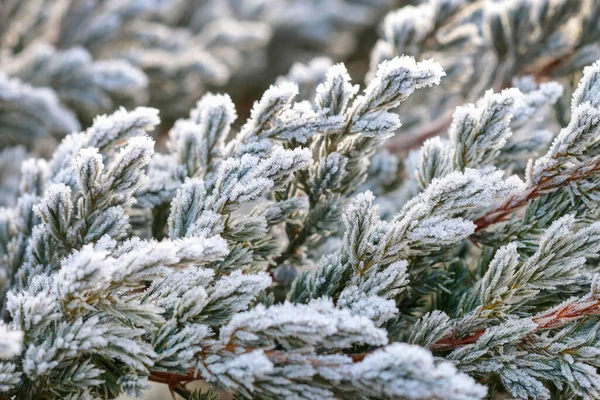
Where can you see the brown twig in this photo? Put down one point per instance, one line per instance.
(177, 381)
(499, 214)
(545, 185)
(554, 318)
(404, 143)
(543, 72)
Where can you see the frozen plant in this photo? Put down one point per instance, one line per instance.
(249, 255)
(483, 44)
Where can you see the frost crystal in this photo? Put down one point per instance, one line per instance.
(405, 371)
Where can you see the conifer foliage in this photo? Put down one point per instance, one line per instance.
(290, 256)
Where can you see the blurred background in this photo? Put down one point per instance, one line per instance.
(97, 55)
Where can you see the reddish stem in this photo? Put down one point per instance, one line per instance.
(554, 318)
(511, 205)
(404, 143)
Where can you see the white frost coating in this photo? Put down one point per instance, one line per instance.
(126, 173)
(245, 179)
(441, 230)
(61, 163)
(376, 308)
(35, 308)
(85, 337)
(275, 100)
(94, 270)
(580, 134)
(212, 108)
(198, 142)
(360, 218)
(88, 166)
(84, 270)
(427, 222)
(9, 376)
(415, 229)
(236, 182)
(387, 283)
(479, 131)
(317, 324)
(242, 370)
(186, 207)
(124, 169)
(406, 371)
(107, 128)
(558, 261)
(373, 294)
(501, 270)
(178, 343)
(328, 173)
(335, 93)
(394, 81)
(202, 249)
(282, 163)
(237, 290)
(149, 259)
(588, 89)
(11, 342)
(34, 172)
(163, 264)
(176, 284)
(434, 160)
(509, 331)
(458, 192)
(579, 139)
(535, 100)
(430, 329)
(377, 123)
(139, 259)
(55, 210)
(81, 336)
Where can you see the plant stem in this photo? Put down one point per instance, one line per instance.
(554, 318)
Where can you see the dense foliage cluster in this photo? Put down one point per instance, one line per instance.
(315, 249)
